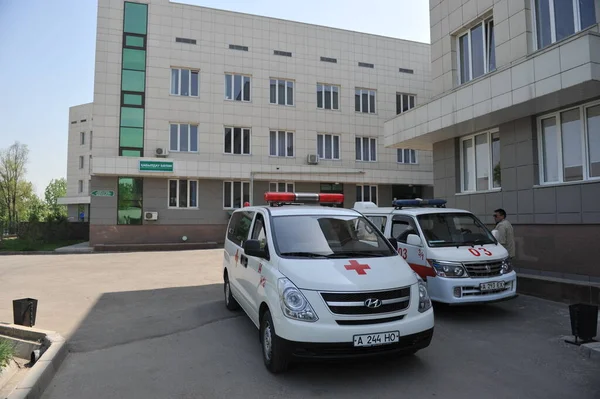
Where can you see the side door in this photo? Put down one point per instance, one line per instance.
(402, 226)
(237, 234)
(378, 220)
(253, 273)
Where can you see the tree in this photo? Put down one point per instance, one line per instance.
(56, 189)
(13, 162)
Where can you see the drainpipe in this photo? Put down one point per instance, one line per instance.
(281, 172)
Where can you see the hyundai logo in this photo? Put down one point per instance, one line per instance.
(373, 303)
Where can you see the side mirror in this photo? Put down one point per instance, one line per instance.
(394, 242)
(415, 240)
(252, 248)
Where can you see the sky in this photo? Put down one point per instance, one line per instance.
(47, 51)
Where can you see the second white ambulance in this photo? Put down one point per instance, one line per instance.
(321, 282)
(451, 249)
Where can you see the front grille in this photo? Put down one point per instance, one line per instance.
(363, 322)
(483, 269)
(353, 303)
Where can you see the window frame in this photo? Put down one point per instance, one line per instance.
(361, 90)
(81, 138)
(233, 75)
(409, 96)
(232, 144)
(483, 22)
(189, 181)
(361, 139)
(231, 192)
(332, 147)
(287, 184)
(491, 187)
(189, 137)
(285, 81)
(553, 40)
(585, 146)
(80, 186)
(179, 69)
(362, 192)
(287, 133)
(401, 151)
(339, 92)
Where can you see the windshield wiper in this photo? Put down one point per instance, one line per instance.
(305, 254)
(349, 254)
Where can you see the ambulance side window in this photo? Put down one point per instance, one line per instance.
(402, 226)
(259, 232)
(239, 227)
(378, 221)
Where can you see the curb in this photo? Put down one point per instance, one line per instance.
(591, 351)
(53, 352)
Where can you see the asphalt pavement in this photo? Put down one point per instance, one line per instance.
(154, 325)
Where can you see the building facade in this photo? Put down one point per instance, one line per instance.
(514, 123)
(79, 163)
(198, 110)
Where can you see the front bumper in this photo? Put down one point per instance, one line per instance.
(467, 291)
(346, 350)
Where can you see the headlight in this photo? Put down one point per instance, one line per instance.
(424, 300)
(448, 269)
(507, 266)
(293, 304)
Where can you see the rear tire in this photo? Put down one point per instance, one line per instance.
(275, 357)
(230, 301)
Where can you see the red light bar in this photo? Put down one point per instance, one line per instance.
(304, 197)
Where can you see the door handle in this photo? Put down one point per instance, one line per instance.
(244, 260)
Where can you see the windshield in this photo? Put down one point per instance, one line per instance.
(329, 237)
(454, 229)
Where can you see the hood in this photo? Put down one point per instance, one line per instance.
(467, 253)
(348, 274)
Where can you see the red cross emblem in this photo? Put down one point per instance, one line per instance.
(357, 267)
(236, 257)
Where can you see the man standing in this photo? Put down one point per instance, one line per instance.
(506, 235)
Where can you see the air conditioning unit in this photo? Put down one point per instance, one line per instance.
(151, 215)
(161, 152)
(312, 159)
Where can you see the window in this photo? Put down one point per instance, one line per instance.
(185, 82)
(130, 200)
(402, 226)
(404, 102)
(259, 232)
(80, 187)
(379, 221)
(480, 162)
(557, 19)
(90, 140)
(136, 16)
(82, 138)
(81, 162)
(183, 193)
(366, 149)
(282, 92)
(332, 188)
(281, 187)
(235, 193)
(328, 96)
(366, 193)
(570, 145)
(328, 146)
(183, 137)
(364, 101)
(237, 87)
(404, 155)
(454, 229)
(239, 144)
(90, 165)
(477, 51)
(239, 227)
(281, 143)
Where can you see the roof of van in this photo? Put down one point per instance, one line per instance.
(288, 210)
(407, 211)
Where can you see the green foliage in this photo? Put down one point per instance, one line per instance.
(56, 189)
(7, 352)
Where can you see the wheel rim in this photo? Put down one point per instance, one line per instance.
(267, 341)
(227, 292)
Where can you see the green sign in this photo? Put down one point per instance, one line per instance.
(103, 193)
(156, 166)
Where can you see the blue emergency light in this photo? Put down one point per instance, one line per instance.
(436, 203)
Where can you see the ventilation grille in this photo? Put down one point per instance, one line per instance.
(404, 70)
(185, 40)
(327, 59)
(237, 47)
(366, 65)
(282, 53)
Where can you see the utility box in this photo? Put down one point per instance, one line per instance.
(584, 321)
(24, 311)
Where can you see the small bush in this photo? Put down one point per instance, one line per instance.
(7, 352)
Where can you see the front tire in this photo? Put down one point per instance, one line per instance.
(230, 301)
(274, 355)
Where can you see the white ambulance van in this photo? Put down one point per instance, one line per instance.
(451, 249)
(321, 282)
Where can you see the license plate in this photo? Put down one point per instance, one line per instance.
(377, 339)
(493, 285)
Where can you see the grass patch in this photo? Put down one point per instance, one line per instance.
(7, 352)
(20, 245)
